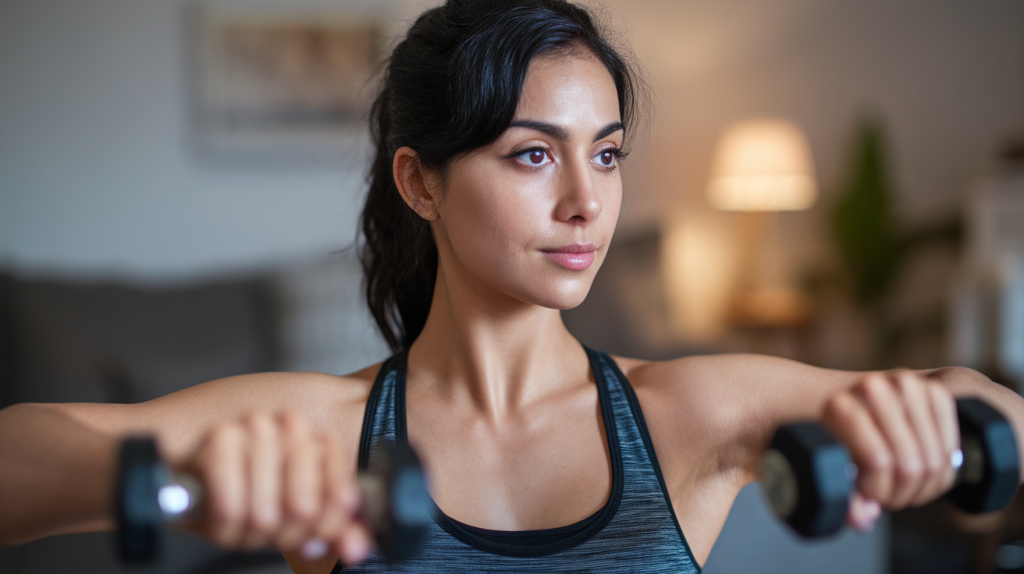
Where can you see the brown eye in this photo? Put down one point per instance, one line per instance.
(536, 157)
(607, 158)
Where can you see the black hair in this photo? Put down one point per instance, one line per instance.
(452, 86)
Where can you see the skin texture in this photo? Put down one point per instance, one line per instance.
(502, 405)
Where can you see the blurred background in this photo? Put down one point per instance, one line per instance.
(840, 183)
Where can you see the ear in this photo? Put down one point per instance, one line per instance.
(414, 184)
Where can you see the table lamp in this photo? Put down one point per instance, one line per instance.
(761, 167)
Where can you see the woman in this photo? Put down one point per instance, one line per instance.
(493, 199)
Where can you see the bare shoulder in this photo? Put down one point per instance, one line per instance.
(747, 375)
(718, 396)
(330, 403)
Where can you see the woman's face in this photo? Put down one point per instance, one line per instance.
(530, 216)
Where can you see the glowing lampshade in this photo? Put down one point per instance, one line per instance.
(762, 165)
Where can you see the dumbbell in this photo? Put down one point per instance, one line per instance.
(807, 475)
(395, 502)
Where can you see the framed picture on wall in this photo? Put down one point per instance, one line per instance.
(283, 81)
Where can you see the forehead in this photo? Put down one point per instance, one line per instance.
(568, 89)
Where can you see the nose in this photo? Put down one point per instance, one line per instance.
(578, 199)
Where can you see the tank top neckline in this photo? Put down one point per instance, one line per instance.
(539, 542)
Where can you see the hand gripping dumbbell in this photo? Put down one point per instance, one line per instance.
(807, 475)
(395, 502)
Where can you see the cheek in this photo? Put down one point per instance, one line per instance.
(492, 221)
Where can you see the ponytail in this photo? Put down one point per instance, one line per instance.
(399, 257)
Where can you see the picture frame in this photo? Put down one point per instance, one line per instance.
(283, 80)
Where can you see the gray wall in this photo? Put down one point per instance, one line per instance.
(99, 173)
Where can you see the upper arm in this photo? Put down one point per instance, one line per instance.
(717, 412)
(733, 403)
(180, 420)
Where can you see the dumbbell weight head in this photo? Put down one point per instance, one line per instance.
(807, 477)
(140, 522)
(990, 473)
(396, 504)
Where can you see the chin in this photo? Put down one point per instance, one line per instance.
(562, 294)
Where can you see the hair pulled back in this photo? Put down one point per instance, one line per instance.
(452, 86)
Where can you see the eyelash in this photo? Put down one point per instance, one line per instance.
(619, 153)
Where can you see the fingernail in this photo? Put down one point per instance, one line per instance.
(873, 509)
(356, 549)
(314, 549)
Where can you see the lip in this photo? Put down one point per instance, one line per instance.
(573, 257)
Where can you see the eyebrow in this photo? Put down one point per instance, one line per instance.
(559, 133)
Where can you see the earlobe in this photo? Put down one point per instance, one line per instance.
(411, 181)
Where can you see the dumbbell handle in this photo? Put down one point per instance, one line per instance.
(180, 499)
(968, 461)
(395, 502)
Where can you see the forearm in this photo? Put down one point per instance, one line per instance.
(56, 475)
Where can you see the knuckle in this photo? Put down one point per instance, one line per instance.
(264, 524)
(909, 470)
(841, 406)
(879, 462)
(292, 421)
(260, 423)
(302, 509)
(877, 387)
(226, 438)
(908, 382)
(834, 405)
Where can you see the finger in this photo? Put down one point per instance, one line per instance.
(303, 488)
(223, 474)
(338, 508)
(354, 544)
(849, 419)
(890, 415)
(863, 512)
(342, 488)
(944, 410)
(265, 479)
(918, 408)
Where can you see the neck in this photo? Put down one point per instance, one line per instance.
(496, 353)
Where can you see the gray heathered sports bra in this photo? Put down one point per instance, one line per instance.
(635, 531)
